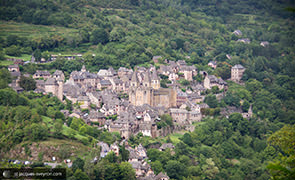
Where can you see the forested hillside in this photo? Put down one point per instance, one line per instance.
(129, 33)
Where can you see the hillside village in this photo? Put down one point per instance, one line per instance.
(148, 90)
(131, 101)
(133, 96)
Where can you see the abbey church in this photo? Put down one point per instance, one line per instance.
(145, 89)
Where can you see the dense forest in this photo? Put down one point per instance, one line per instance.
(129, 33)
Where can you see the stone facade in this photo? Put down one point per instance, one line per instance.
(148, 91)
(211, 80)
(237, 72)
(54, 86)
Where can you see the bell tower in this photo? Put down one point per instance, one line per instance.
(155, 80)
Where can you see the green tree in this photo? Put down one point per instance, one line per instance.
(124, 153)
(116, 34)
(232, 99)
(283, 166)
(28, 83)
(37, 54)
(167, 119)
(113, 171)
(79, 174)
(99, 35)
(185, 82)
(157, 167)
(5, 78)
(78, 164)
(175, 169)
(2, 56)
(36, 132)
(245, 106)
(253, 85)
(18, 136)
(215, 90)
(187, 139)
(127, 172)
(111, 157)
(153, 154)
(211, 101)
(210, 170)
(13, 50)
(58, 128)
(64, 152)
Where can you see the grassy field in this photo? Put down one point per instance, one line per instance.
(175, 137)
(30, 30)
(25, 57)
(6, 63)
(67, 131)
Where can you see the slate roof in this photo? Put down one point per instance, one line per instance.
(144, 126)
(136, 164)
(72, 89)
(83, 98)
(50, 81)
(95, 114)
(157, 57)
(40, 82)
(238, 66)
(42, 73)
(112, 71)
(134, 77)
(245, 40)
(155, 76)
(13, 66)
(167, 145)
(147, 77)
(161, 176)
(105, 83)
(213, 62)
(181, 62)
(238, 32)
(58, 73)
(214, 79)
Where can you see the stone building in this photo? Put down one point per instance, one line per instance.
(211, 80)
(237, 72)
(13, 68)
(54, 86)
(148, 91)
(85, 78)
(42, 74)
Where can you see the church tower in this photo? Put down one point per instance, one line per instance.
(83, 69)
(60, 89)
(134, 80)
(155, 80)
(147, 80)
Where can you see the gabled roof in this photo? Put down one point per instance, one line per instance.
(83, 98)
(105, 82)
(134, 77)
(154, 76)
(238, 66)
(58, 72)
(214, 79)
(213, 62)
(167, 145)
(157, 57)
(50, 81)
(238, 32)
(161, 176)
(147, 77)
(95, 114)
(13, 66)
